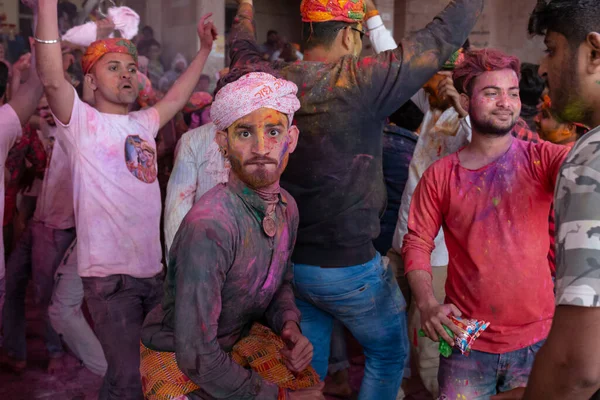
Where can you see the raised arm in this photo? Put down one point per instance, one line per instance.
(178, 96)
(389, 79)
(58, 90)
(26, 97)
(243, 49)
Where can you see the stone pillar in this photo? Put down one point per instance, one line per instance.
(216, 60)
(399, 20)
(280, 15)
(175, 27)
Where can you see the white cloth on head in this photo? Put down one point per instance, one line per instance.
(125, 19)
(251, 92)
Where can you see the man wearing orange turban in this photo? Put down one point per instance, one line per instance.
(350, 11)
(100, 48)
(116, 192)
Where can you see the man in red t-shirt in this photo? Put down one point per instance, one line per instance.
(492, 198)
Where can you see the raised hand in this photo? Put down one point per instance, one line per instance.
(207, 32)
(105, 27)
(22, 67)
(447, 90)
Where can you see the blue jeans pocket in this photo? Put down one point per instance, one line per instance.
(353, 302)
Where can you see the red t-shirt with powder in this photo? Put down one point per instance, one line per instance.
(495, 220)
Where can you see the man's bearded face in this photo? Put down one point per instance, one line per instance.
(561, 68)
(258, 147)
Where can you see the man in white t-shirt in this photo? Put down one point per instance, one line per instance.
(116, 194)
(12, 116)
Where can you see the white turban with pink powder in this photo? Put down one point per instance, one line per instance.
(251, 92)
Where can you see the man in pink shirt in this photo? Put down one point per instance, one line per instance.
(492, 199)
(115, 189)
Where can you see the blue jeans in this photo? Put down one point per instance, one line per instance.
(481, 375)
(367, 300)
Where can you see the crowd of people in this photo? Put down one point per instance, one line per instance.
(227, 243)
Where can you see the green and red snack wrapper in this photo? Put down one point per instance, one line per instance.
(470, 329)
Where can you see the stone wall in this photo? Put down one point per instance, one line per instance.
(503, 25)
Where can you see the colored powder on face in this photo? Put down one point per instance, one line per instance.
(574, 111)
(284, 152)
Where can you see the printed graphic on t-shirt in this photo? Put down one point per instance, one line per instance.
(140, 157)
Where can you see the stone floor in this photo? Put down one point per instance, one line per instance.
(73, 382)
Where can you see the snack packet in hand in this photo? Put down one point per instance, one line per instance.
(471, 329)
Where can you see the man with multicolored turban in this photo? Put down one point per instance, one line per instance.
(337, 178)
(116, 193)
(230, 266)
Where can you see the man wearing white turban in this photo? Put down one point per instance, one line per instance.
(229, 265)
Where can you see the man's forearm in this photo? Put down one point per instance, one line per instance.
(242, 39)
(243, 24)
(178, 96)
(26, 98)
(422, 288)
(49, 56)
(59, 91)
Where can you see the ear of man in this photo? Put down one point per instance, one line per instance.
(90, 81)
(346, 35)
(465, 102)
(293, 134)
(593, 43)
(221, 139)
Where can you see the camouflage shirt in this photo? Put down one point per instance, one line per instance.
(577, 203)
